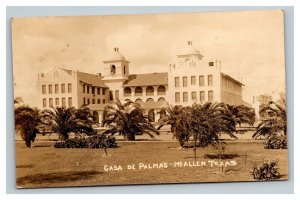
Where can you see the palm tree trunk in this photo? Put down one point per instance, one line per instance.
(130, 137)
(195, 148)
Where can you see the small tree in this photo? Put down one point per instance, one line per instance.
(64, 121)
(27, 121)
(127, 119)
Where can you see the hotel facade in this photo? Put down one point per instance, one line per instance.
(193, 78)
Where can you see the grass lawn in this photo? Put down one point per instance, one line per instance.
(45, 166)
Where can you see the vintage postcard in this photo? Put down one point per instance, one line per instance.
(150, 99)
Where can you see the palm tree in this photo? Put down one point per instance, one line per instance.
(127, 119)
(241, 114)
(68, 120)
(176, 117)
(275, 122)
(208, 121)
(27, 121)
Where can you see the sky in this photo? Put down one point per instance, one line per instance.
(250, 45)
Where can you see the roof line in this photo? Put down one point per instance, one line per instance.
(232, 78)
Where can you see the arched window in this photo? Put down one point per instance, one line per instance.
(161, 90)
(127, 91)
(162, 113)
(96, 116)
(161, 99)
(138, 100)
(150, 100)
(151, 115)
(117, 94)
(112, 69)
(124, 69)
(149, 91)
(138, 91)
(111, 96)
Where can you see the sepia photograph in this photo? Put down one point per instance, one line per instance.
(149, 98)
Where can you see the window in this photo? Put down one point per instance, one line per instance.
(127, 91)
(44, 102)
(88, 89)
(138, 91)
(210, 96)
(185, 97)
(193, 80)
(201, 80)
(103, 91)
(211, 64)
(138, 100)
(93, 101)
(103, 101)
(56, 89)
(50, 89)
(194, 96)
(83, 88)
(117, 94)
(161, 90)
(69, 88)
(184, 81)
(93, 90)
(149, 91)
(56, 101)
(177, 97)
(43, 89)
(210, 80)
(83, 100)
(50, 102)
(111, 97)
(63, 102)
(161, 99)
(150, 100)
(98, 101)
(177, 82)
(202, 96)
(98, 90)
(70, 101)
(124, 69)
(113, 69)
(63, 89)
(88, 101)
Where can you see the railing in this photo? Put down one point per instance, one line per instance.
(149, 93)
(127, 94)
(161, 93)
(138, 94)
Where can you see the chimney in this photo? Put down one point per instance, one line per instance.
(116, 49)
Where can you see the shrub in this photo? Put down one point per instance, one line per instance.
(90, 142)
(268, 171)
(276, 142)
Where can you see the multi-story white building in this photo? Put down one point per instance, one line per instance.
(192, 79)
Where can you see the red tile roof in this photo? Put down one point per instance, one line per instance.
(147, 79)
(94, 80)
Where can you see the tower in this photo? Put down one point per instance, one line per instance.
(116, 71)
(116, 66)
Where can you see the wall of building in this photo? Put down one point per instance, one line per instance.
(57, 77)
(87, 94)
(193, 67)
(231, 91)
